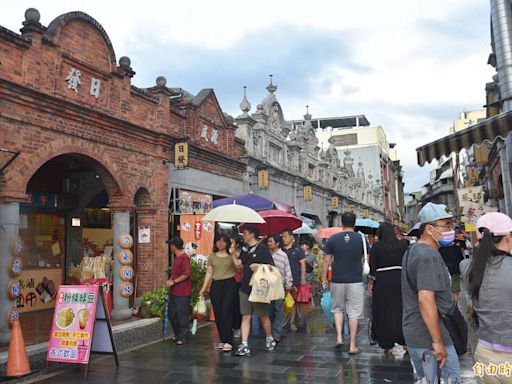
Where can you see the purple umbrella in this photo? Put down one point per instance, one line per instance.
(250, 200)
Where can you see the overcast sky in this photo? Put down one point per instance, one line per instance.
(409, 65)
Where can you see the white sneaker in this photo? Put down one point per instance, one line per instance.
(270, 345)
(243, 350)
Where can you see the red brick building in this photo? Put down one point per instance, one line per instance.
(87, 156)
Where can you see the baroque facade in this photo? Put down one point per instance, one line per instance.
(293, 157)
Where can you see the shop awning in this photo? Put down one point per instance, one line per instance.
(485, 131)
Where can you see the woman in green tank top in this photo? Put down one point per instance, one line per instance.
(220, 272)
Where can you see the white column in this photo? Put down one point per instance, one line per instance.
(9, 223)
(121, 309)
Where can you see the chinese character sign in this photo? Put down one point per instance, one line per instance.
(470, 195)
(308, 193)
(181, 155)
(473, 211)
(73, 324)
(73, 79)
(262, 179)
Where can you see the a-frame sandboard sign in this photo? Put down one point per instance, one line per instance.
(81, 326)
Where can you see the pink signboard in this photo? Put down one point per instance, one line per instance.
(73, 324)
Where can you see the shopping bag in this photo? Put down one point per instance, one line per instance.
(276, 289)
(304, 294)
(326, 303)
(261, 282)
(200, 309)
(288, 303)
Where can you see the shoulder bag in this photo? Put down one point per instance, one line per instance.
(452, 320)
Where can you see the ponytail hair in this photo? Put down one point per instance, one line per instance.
(481, 257)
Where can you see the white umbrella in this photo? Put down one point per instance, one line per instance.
(234, 213)
(304, 230)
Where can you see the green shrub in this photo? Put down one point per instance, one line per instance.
(156, 300)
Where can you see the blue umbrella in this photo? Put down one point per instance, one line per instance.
(326, 303)
(165, 321)
(250, 200)
(368, 223)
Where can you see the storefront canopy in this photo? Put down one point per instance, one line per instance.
(485, 131)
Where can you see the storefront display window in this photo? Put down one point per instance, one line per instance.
(43, 234)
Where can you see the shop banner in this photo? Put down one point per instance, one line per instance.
(198, 236)
(472, 212)
(194, 202)
(470, 195)
(38, 289)
(73, 324)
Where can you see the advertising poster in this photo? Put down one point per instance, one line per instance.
(194, 202)
(38, 289)
(73, 322)
(197, 235)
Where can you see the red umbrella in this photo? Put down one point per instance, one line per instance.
(325, 233)
(276, 221)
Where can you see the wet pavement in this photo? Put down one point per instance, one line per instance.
(305, 356)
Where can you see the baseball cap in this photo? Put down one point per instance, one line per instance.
(433, 212)
(497, 223)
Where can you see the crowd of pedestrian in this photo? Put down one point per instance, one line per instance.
(415, 287)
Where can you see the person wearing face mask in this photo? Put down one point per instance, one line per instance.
(487, 278)
(426, 293)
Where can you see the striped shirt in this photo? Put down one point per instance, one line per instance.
(282, 264)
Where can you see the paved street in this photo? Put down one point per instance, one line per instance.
(303, 357)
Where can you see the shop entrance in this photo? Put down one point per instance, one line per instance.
(67, 229)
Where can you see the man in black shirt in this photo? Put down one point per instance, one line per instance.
(253, 254)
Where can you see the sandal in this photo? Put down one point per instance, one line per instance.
(179, 342)
(354, 352)
(227, 347)
(173, 339)
(339, 346)
(220, 346)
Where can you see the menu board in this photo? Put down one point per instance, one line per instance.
(73, 324)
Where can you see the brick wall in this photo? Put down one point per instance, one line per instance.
(124, 134)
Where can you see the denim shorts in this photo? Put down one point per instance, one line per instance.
(426, 367)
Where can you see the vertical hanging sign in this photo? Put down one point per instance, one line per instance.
(181, 155)
(126, 272)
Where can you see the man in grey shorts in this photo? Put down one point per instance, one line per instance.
(346, 252)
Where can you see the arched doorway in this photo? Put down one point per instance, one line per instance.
(66, 217)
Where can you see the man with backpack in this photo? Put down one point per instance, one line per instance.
(346, 251)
